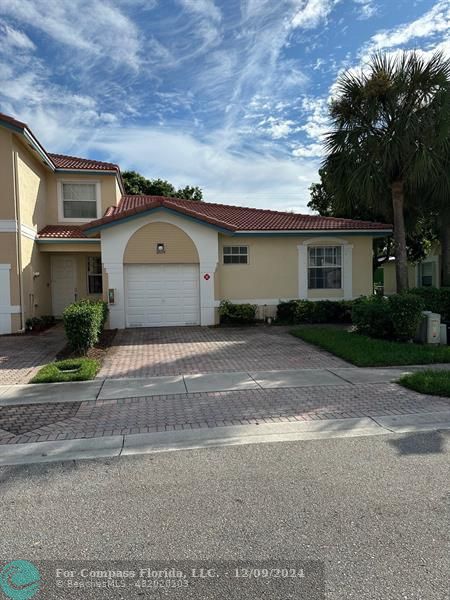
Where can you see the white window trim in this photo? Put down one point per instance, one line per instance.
(347, 266)
(61, 217)
(235, 264)
(88, 273)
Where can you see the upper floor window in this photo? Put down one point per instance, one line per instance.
(79, 201)
(324, 267)
(235, 255)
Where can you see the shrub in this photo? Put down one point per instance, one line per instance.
(395, 317)
(72, 369)
(237, 313)
(286, 311)
(372, 317)
(83, 323)
(319, 311)
(39, 323)
(405, 313)
(435, 299)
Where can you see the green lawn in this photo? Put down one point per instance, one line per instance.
(436, 383)
(363, 351)
(72, 369)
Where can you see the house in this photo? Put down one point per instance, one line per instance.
(68, 231)
(425, 273)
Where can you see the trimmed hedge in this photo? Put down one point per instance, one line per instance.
(237, 313)
(396, 317)
(435, 299)
(83, 323)
(319, 311)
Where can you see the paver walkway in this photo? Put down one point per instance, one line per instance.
(156, 351)
(97, 418)
(22, 355)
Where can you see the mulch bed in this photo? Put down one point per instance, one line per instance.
(98, 352)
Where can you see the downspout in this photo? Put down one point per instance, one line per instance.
(19, 238)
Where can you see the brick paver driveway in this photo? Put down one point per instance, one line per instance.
(22, 355)
(150, 352)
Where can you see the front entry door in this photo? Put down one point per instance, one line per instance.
(63, 283)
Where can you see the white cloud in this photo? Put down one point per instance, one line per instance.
(308, 151)
(14, 39)
(100, 31)
(250, 179)
(366, 9)
(206, 8)
(311, 13)
(434, 21)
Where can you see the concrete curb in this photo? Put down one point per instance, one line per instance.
(148, 443)
(20, 454)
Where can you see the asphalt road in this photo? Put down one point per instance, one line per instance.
(374, 511)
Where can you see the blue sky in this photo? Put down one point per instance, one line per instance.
(230, 95)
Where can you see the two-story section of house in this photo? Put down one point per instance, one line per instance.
(46, 261)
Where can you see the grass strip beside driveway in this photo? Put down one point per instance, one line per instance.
(72, 369)
(363, 351)
(436, 383)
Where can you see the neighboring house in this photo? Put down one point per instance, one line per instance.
(68, 232)
(425, 273)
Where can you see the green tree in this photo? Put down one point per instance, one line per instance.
(390, 132)
(136, 184)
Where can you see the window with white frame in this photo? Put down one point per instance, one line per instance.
(79, 200)
(235, 255)
(324, 267)
(95, 284)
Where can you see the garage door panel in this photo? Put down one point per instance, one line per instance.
(159, 295)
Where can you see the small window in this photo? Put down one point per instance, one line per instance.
(79, 200)
(426, 270)
(95, 284)
(324, 267)
(235, 255)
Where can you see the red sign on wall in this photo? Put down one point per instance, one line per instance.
(206, 276)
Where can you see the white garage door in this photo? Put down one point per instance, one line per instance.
(158, 295)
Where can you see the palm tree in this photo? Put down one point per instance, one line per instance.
(390, 136)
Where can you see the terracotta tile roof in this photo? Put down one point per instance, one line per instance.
(233, 218)
(12, 121)
(62, 232)
(61, 161)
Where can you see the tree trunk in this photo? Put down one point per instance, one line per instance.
(444, 239)
(401, 260)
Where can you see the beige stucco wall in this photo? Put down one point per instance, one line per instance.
(7, 210)
(179, 248)
(36, 290)
(107, 183)
(272, 270)
(32, 187)
(390, 284)
(67, 247)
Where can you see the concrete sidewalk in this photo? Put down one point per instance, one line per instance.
(146, 387)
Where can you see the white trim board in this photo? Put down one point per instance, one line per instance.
(10, 226)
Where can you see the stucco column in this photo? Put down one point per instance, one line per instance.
(207, 270)
(115, 281)
(302, 271)
(347, 268)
